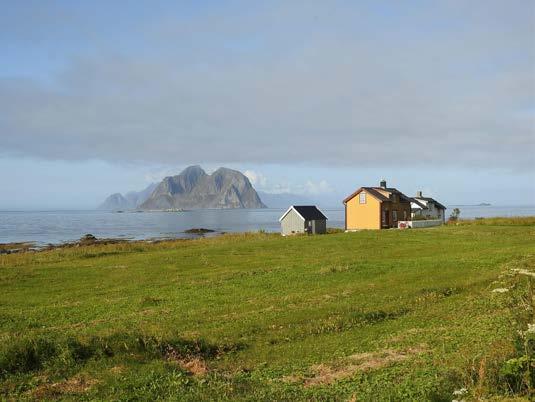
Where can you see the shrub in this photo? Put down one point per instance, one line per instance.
(454, 217)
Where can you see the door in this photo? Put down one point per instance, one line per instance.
(385, 221)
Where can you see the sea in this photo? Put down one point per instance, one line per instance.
(56, 227)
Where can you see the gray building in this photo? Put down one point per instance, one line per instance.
(303, 219)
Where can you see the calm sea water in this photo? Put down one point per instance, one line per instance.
(43, 227)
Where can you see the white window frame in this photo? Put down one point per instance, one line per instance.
(362, 198)
(394, 216)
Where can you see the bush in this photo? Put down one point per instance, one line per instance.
(454, 217)
(513, 372)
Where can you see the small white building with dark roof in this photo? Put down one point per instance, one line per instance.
(303, 219)
(427, 207)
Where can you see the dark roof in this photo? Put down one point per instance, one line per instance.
(377, 194)
(396, 191)
(309, 212)
(429, 199)
(370, 190)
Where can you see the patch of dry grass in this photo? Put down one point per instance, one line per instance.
(75, 386)
(325, 373)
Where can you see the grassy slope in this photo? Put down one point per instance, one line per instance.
(279, 318)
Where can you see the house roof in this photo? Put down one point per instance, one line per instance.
(418, 203)
(307, 212)
(374, 191)
(370, 190)
(429, 199)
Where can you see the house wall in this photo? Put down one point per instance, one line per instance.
(363, 216)
(435, 212)
(431, 212)
(319, 226)
(292, 223)
(421, 224)
(403, 212)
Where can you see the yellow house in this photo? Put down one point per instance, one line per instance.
(376, 208)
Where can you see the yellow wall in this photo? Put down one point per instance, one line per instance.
(363, 216)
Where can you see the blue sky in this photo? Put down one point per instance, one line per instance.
(310, 97)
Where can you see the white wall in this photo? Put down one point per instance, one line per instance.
(431, 212)
(420, 224)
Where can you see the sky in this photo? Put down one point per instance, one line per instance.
(309, 97)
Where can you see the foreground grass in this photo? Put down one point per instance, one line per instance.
(369, 315)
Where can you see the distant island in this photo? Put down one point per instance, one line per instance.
(131, 200)
(193, 188)
(175, 190)
(482, 204)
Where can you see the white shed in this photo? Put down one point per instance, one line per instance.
(303, 219)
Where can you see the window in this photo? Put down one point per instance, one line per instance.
(362, 198)
(383, 215)
(404, 215)
(394, 215)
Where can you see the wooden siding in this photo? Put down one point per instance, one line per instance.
(319, 226)
(363, 216)
(369, 214)
(389, 207)
(292, 223)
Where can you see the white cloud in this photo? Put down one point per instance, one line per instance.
(316, 188)
(309, 187)
(257, 179)
(156, 175)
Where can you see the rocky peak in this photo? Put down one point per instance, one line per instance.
(193, 188)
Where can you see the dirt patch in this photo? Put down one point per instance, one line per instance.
(194, 365)
(117, 369)
(323, 374)
(75, 385)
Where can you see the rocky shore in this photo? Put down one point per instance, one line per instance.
(89, 239)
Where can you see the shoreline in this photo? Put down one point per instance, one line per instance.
(90, 240)
(200, 233)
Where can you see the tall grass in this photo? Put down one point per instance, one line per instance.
(499, 221)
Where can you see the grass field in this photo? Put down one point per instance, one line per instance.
(389, 315)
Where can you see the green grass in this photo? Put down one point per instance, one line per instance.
(500, 221)
(373, 315)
